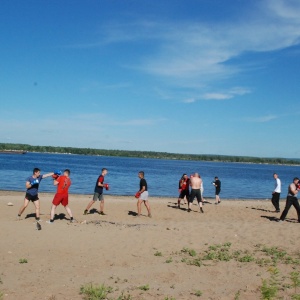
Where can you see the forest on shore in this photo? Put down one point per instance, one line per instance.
(4, 147)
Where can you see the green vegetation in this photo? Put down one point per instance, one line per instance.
(198, 293)
(269, 288)
(157, 253)
(144, 287)
(147, 154)
(97, 292)
(23, 261)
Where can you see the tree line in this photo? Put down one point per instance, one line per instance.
(147, 154)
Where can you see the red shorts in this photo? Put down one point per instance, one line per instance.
(61, 199)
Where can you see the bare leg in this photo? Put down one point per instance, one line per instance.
(102, 205)
(148, 208)
(90, 205)
(139, 207)
(26, 202)
(53, 207)
(37, 209)
(69, 211)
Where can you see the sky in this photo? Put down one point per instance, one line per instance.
(179, 76)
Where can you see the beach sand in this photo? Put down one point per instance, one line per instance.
(141, 257)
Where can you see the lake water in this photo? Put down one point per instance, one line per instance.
(239, 181)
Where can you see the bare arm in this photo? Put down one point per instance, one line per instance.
(47, 175)
(28, 185)
(293, 189)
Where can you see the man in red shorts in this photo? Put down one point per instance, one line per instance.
(62, 195)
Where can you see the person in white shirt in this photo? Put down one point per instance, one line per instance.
(276, 193)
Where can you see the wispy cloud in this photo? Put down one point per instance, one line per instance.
(262, 119)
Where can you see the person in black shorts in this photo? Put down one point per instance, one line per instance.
(184, 189)
(195, 183)
(217, 184)
(32, 186)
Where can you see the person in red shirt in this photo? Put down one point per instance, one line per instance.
(62, 195)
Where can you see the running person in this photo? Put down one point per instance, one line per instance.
(32, 186)
(184, 187)
(195, 183)
(291, 199)
(143, 195)
(98, 193)
(62, 195)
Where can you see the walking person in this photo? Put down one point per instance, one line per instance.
(276, 193)
(184, 188)
(195, 183)
(62, 195)
(292, 199)
(217, 184)
(143, 195)
(98, 193)
(32, 186)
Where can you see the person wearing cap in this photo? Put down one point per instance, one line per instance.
(292, 199)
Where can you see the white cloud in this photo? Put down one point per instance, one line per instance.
(262, 119)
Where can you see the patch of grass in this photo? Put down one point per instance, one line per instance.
(198, 293)
(296, 297)
(124, 297)
(191, 252)
(295, 278)
(169, 260)
(1, 295)
(157, 253)
(269, 288)
(144, 287)
(237, 295)
(169, 298)
(95, 292)
(23, 261)
(195, 262)
(246, 258)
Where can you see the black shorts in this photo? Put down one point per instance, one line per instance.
(218, 191)
(195, 193)
(184, 193)
(31, 198)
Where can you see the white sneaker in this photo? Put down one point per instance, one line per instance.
(48, 222)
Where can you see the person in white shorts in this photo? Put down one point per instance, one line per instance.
(143, 195)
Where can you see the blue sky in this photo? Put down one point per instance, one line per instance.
(183, 76)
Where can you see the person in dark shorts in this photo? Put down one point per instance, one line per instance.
(143, 195)
(217, 184)
(32, 186)
(276, 193)
(292, 199)
(62, 195)
(195, 183)
(98, 193)
(184, 189)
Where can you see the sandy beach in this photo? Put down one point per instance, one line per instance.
(224, 253)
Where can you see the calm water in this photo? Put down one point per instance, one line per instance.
(238, 180)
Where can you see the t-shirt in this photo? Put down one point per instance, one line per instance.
(33, 190)
(277, 186)
(64, 183)
(218, 184)
(99, 189)
(143, 182)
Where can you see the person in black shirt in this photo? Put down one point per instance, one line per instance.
(142, 195)
(217, 184)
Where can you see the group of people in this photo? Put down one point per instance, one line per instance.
(291, 199)
(189, 189)
(195, 182)
(63, 182)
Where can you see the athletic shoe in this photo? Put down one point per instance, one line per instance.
(49, 222)
(189, 210)
(201, 209)
(18, 218)
(277, 211)
(85, 212)
(102, 213)
(73, 221)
